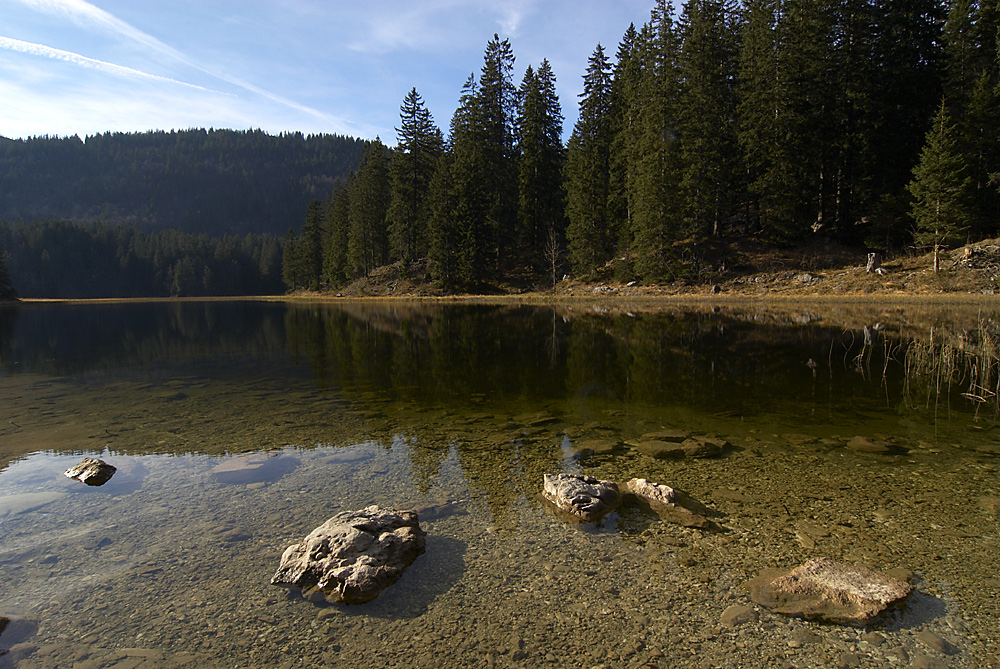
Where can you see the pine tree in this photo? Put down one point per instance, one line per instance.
(444, 230)
(336, 223)
(496, 106)
(588, 171)
(905, 96)
(7, 291)
(657, 168)
(368, 239)
(411, 169)
(311, 245)
(625, 103)
(484, 176)
(707, 115)
(759, 112)
(541, 203)
(940, 189)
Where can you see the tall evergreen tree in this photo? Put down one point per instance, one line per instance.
(411, 169)
(657, 169)
(940, 189)
(588, 170)
(336, 222)
(759, 111)
(368, 240)
(625, 104)
(908, 89)
(484, 177)
(541, 203)
(707, 115)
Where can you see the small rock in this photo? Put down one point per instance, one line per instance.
(848, 660)
(582, 498)
(990, 505)
(665, 501)
(692, 447)
(91, 471)
(865, 445)
(737, 615)
(674, 436)
(936, 643)
(253, 468)
(927, 662)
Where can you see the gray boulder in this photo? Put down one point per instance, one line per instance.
(582, 498)
(353, 556)
(91, 471)
(829, 591)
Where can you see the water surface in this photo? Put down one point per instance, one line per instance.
(460, 410)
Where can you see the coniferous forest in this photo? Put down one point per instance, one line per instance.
(190, 213)
(874, 124)
(871, 123)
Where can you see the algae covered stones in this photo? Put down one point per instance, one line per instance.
(582, 498)
(353, 556)
(91, 471)
(829, 591)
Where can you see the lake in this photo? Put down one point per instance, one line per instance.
(859, 432)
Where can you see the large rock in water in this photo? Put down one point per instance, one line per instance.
(583, 498)
(91, 471)
(829, 591)
(353, 556)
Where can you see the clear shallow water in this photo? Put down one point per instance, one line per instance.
(168, 564)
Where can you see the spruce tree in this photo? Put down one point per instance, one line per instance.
(759, 112)
(496, 105)
(940, 189)
(411, 169)
(368, 239)
(657, 170)
(310, 247)
(588, 171)
(625, 103)
(707, 115)
(541, 204)
(336, 223)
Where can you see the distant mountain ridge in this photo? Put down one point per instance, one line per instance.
(212, 182)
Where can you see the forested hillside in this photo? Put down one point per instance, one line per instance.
(212, 182)
(871, 123)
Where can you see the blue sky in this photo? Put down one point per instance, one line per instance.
(79, 67)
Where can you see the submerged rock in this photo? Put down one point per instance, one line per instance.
(583, 498)
(662, 446)
(666, 502)
(91, 471)
(353, 556)
(253, 468)
(829, 591)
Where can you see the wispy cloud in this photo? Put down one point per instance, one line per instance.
(87, 15)
(77, 59)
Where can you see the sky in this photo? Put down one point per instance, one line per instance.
(79, 67)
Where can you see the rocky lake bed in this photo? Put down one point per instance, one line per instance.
(169, 562)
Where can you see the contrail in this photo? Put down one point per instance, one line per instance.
(77, 59)
(85, 14)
